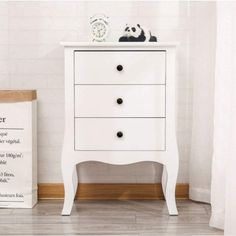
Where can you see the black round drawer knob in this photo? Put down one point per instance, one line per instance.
(119, 101)
(119, 134)
(119, 67)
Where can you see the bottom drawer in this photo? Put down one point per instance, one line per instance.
(120, 134)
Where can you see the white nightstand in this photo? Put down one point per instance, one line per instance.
(120, 109)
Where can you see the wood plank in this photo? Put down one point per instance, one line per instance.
(111, 191)
(17, 95)
(108, 218)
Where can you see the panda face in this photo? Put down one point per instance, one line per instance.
(133, 31)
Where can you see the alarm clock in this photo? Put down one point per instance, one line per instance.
(99, 27)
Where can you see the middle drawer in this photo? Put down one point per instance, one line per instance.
(120, 101)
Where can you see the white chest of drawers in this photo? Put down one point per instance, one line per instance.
(120, 109)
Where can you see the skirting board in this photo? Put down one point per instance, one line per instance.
(111, 191)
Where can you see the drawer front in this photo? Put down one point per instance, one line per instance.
(120, 67)
(105, 134)
(120, 101)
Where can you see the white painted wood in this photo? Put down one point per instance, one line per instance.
(117, 45)
(138, 134)
(138, 67)
(141, 133)
(164, 180)
(138, 101)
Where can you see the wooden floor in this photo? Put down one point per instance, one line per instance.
(108, 218)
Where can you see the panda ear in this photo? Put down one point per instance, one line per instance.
(138, 25)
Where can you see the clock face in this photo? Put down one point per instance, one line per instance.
(99, 30)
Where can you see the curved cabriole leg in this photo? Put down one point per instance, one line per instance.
(75, 179)
(70, 186)
(163, 181)
(171, 172)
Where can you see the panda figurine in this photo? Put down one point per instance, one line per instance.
(135, 33)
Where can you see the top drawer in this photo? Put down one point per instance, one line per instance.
(119, 67)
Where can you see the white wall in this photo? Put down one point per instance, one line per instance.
(4, 80)
(31, 57)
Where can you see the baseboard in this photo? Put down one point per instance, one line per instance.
(111, 191)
